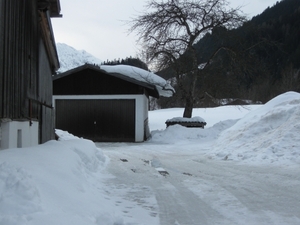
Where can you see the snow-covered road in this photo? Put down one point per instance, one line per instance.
(179, 187)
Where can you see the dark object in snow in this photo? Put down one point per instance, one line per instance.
(188, 174)
(196, 121)
(163, 172)
(124, 160)
(194, 124)
(146, 161)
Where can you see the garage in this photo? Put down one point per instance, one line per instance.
(102, 106)
(100, 120)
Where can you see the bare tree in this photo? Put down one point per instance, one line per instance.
(169, 30)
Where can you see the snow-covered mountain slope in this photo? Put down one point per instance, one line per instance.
(70, 58)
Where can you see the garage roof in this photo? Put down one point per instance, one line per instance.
(151, 88)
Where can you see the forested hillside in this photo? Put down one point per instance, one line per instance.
(128, 61)
(257, 61)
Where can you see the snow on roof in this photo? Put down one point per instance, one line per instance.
(164, 88)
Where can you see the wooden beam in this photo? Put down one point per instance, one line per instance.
(48, 39)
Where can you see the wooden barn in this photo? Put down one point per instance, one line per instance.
(28, 59)
(104, 107)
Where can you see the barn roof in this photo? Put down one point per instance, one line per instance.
(151, 88)
(55, 8)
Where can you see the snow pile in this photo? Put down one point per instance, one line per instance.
(164, 88)
(19, 194)
(157, 118)
(218, 119)
(270, 133)
(70, 58)
(252, 134)
(59, 182)
(64, 135)
(180, 134)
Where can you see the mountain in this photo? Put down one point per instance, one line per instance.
(70, 58)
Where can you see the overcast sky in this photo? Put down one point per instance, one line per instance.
(99, 27)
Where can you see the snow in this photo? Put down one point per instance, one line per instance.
(270, 133)
(243, 168)
(70, 58)
(51, 183)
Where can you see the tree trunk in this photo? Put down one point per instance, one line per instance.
(188, 109)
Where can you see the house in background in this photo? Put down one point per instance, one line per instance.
(28, 59)
(93, 103)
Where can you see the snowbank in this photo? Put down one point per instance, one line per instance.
(269, 134)
(64, 135)
(254, 134)
(157, 118)
(218, 119)
(180, 134)
(55, 183)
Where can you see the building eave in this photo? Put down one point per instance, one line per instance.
(55, 8)
(49, 40)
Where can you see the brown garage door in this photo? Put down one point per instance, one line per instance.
(97, 119)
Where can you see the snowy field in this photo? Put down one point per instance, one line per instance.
(243, 168)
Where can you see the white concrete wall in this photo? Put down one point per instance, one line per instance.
(142, 115)
(146, 119)
(0, 135)
(141, 109)
(16, 134)
(139, 120)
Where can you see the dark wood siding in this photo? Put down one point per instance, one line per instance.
(97, 120)
(25, 73)
(46, 124)
(1, 55)
(46, 111)
(91, 82)
(19, 46)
